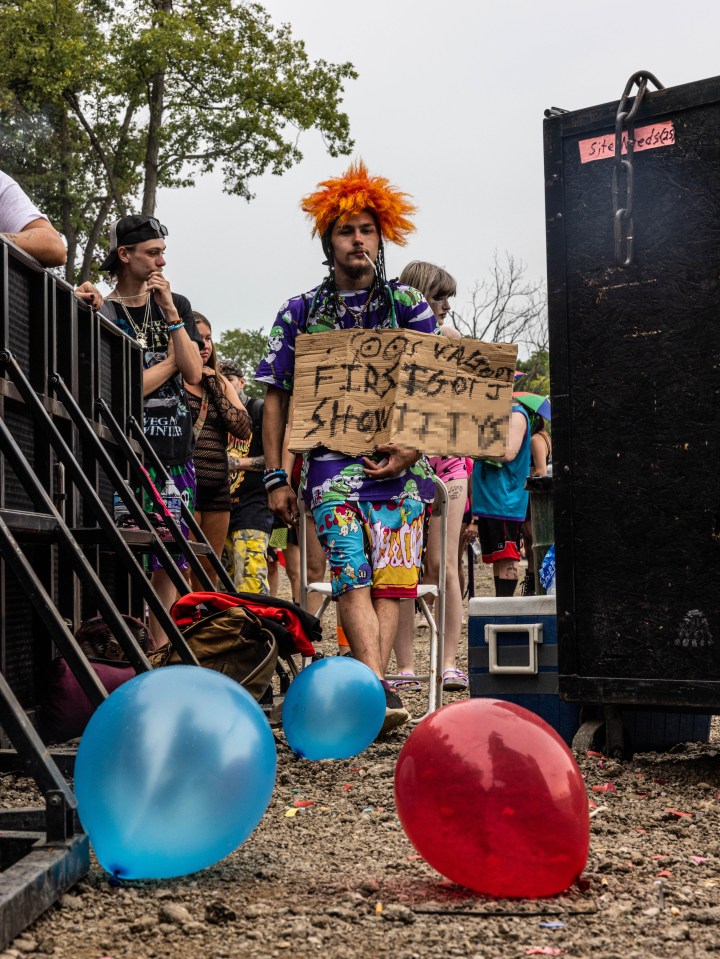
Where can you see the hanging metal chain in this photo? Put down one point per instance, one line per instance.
(625, 122)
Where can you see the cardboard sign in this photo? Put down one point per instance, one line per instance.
(357, 389)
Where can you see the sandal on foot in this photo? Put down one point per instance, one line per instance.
(454, 680)
(408, 685)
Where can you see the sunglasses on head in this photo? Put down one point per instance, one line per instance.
(154, 225)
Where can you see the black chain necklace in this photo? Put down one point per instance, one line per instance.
(357, 315)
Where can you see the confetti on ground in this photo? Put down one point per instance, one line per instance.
(698, 859)
(347, 786)
(676, 812)
(643, 831)
(543, 951)
(303, 803)
(378, 908)
(592, 754)
(413, 857)
(664, 874)
(605, 788)
(552, 925)
(660, 857)
(290, 812)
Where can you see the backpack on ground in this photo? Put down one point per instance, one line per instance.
(232, 641)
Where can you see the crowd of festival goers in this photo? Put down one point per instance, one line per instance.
(227, 457)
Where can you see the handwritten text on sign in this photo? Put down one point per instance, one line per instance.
(646, 138)
(357, 389)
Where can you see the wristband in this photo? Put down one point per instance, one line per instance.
(171, 329)
(274, 479)
(273, 483)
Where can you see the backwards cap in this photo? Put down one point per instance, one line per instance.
(353, 193)
(127, 231)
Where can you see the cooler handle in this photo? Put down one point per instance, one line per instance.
(535, 637)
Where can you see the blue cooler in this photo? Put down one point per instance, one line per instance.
(513, 655)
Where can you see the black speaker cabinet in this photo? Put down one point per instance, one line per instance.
(635, 372)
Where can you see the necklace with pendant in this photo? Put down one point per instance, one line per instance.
(141, 332)
(357, 315)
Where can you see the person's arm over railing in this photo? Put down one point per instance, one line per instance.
(41, 240)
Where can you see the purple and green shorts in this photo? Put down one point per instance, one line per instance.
(372, 544)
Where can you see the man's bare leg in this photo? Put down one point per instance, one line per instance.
(360, 622)
(370, 626)
(388, 614)
(505, 572)
(404, 645)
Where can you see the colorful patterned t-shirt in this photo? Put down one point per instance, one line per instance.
(327, 475)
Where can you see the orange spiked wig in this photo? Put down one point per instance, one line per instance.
(355, 192)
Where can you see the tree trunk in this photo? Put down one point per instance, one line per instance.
(71, 240)
(156, 104)
(93, 238)
(66, 225)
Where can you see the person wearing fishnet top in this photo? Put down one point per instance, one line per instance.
(216, 411)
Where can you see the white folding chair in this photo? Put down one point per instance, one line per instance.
(436, 625)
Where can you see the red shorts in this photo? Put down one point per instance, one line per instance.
(499, 539)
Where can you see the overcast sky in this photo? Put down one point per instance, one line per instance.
(449, 105)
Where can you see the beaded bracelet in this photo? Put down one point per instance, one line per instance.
(171, 329)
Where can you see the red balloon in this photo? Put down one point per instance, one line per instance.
(492, 798)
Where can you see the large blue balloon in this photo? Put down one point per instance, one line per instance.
(333, 709)
(175, 769)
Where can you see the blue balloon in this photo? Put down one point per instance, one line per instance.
(175, 769)
(333, 709)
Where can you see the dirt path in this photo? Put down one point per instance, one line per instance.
(340, 879)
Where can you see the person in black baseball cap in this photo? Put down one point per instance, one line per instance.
(144, 307)
(127, 231)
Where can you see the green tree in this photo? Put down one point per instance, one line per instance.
(245, 347)
(537, 373)
(104, 103)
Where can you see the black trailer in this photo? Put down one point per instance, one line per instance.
(633, 241)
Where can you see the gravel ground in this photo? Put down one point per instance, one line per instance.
(339, 878)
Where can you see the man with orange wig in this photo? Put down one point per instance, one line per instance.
(365, 508)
